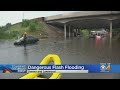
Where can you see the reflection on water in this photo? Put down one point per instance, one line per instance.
(98, 42)
(25, 54)
(110, 45)
(71, 51)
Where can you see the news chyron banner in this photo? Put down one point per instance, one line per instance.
(86, 68)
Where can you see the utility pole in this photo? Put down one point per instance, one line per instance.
(23, 15)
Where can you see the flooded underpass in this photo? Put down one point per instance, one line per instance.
(71, 51)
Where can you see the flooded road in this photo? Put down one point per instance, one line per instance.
(71, 51)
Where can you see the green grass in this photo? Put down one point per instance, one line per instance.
(17, 30)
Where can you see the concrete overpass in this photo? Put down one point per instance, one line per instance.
(85, 19)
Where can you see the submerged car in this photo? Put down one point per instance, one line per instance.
(29, 40)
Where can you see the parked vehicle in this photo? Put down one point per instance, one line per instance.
(92, 34)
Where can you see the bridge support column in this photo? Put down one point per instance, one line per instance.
(110, 29)
(77, 31)
(65, 31)
(73, 32)
(69, 31)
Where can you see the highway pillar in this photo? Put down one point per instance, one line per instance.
(69, 31)
(65, 30)
(73, 32)
(110, 29)
(110, 46)
(77, 31)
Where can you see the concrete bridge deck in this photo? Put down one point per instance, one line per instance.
(86, 19)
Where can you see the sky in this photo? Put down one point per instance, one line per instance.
(17, 16)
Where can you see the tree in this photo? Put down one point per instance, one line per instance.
(2, 28)
(8, 25)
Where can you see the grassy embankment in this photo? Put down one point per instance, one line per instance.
(32, 27)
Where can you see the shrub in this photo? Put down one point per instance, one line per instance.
(8, 25)
(32, 26)
(25, 23)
